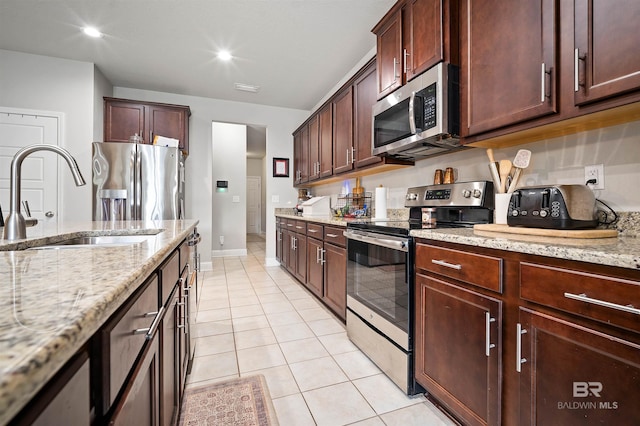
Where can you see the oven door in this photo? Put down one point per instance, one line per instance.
(379, 283)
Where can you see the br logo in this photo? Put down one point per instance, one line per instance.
(585, 389)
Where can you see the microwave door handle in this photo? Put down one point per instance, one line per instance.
(412, 116)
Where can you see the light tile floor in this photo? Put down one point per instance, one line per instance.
(255, 319)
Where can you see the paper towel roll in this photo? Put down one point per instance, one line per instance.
(381, 203)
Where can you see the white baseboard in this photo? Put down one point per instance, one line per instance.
(229, 253)
(271, 261)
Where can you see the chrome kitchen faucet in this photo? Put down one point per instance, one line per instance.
(15, 227)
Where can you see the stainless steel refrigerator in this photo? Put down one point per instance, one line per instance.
(137, 182)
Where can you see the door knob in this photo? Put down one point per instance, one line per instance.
(49, 214)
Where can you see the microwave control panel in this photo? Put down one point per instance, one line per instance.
(429, 106)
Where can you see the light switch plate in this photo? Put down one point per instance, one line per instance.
(236, 199)
(275, 198)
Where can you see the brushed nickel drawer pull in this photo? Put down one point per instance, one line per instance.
(313, 231)
(519, 360)
(487, 323)
(446, 264)
(332, 235)
(149, 332)
(582, 297)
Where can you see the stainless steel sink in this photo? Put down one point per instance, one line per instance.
(97, 241)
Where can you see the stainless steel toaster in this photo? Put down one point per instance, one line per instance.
(553, 207)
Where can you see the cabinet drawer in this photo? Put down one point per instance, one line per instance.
(477, 269)
(603, 298)
(314, 230)
(300, 227)
(335, 236)
(290, 224)
(121, 344)
(169, 273)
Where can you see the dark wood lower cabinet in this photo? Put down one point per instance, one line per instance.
(459, 348)
(140, 401)
(169, 388)
(573, 375)
(315, 274)
(557, 342)
(335, 279)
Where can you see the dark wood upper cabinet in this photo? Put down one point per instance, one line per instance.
(606, 57)
(301, 156)
(314, 147)
(343, 131)
(412, 37)
(590, 77)
(326, 141)
(123, 118)
(389, 53)
(364, 93)
(508, 62)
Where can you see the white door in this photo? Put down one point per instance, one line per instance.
(254, 194)
(39, 170)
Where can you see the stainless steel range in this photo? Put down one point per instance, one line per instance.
(380, 272)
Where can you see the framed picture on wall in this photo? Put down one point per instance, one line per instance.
(280, 167)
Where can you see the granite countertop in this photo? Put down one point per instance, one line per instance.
(53, 301)
(622, 252)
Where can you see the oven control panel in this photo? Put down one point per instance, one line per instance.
(459, 194)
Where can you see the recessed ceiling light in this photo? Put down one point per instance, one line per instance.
(92, 32)
(224, 55)
(246, 87)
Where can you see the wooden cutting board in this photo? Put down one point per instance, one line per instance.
(562, 233)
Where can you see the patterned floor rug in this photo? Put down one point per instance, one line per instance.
(239, 402)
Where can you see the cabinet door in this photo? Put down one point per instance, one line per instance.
(365, 97)
(606, 58)
(286, 248)
(314, 147)
(458, 349)
(389, 54)
(301, 257)
(122, 120)
(326, 141)
(572, 375)
(314, 266)
(279, 243)
(168, 122)
(343, 131)
(139, 404)
(335, 279)
(508, 62)
(301, 155)
(169, 393)
(423, 48)
(183, 330)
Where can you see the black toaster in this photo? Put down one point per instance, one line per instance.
(553, 207)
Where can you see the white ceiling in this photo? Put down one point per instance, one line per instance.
(295, 50)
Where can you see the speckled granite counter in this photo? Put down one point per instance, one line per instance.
(53, 301)
(623, 252)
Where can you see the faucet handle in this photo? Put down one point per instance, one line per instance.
(27, 210)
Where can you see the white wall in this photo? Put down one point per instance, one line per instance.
(280, 123)
(229, 209)
(554, 161)
(59, 85)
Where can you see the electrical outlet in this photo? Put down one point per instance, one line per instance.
(594, 172)
(221, 240)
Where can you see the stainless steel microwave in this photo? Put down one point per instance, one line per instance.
(420, 119)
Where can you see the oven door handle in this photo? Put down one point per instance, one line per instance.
(377, 241)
